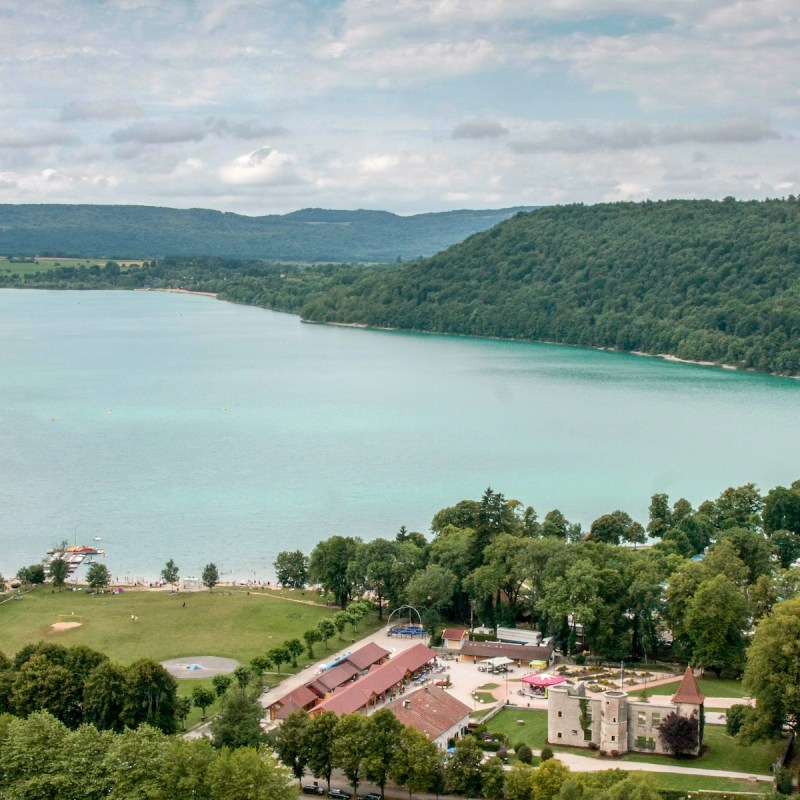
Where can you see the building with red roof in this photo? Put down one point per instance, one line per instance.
(433, 712)
(383, 682)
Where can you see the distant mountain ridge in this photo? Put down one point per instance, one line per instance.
(307, 235)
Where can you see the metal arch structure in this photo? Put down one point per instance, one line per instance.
(409, 609)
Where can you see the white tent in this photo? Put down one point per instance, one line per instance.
(498, 661)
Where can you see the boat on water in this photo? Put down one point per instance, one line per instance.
(74, 554)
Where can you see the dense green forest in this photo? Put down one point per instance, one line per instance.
(313, 234)
(701, 280)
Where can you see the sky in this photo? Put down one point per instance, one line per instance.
(409, 106)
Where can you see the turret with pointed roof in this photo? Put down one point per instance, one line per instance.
(688, 691)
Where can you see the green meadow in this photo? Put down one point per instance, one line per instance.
(45, 264)
(228, 623)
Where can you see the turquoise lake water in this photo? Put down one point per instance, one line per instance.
(177, 426)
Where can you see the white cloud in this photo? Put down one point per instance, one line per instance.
(263, 167)
(412, 105)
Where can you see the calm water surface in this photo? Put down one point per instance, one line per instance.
(177, 426)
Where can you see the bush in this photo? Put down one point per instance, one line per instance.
(525, 754)
(735, 718)
(547, 754)
(783, 780)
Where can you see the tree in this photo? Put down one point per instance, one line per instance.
(98, 576)
(329, 564)
(548, 779)
(242, 676)
(326, 630)
(250, 773)
(221, 683)
(42, 685)
(318, 737)
(351, 739)
(134, 762)
(772, 674)
(518, 785)
(238, 723)
(58, 570)
(290, 742)
(679, 734)
(660, 516)
(417, 762)
(183, 707)
(311, 637)
(463, 770)
(278, 656)
(786, 546)
(493, 779)
(384, 737)
(210, 576)
(185, 768)
(170, 573)
(781, 510)
(340, 620)
(104, 696)
(432, 588)
(32, 574)
(202, 698)
(295, 649)
(291, 569)
(150, 696)
(716, 620)
(258, 666)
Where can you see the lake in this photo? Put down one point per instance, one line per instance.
(179, 426)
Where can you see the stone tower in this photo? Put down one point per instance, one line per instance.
(614, 722)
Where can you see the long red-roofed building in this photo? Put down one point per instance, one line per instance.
(379, 684)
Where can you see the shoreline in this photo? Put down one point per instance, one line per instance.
(664, 356)
(180, 291)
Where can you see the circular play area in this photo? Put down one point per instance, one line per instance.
(199, 666)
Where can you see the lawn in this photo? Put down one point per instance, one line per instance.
(709, 686)
(694, 783)
(43, 264)
(723, 753)
(230, 624)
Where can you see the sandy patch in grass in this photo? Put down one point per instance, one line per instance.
(65, 626)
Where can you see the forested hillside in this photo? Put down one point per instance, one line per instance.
(702, 280)
(309, 235)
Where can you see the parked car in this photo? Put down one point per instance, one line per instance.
(339, 794)
(313, 788)
(370, 796)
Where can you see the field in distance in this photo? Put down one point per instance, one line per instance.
(29, 265)
(228, 623)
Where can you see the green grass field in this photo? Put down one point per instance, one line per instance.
(709, 686)
(723, 753)
(234, 625)
(42, 264)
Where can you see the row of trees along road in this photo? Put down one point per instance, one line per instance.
(711, 574)
(379, 749)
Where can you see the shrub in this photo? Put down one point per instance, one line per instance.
(547, 754)
(735, 718)
(783, 780)
(525, 754)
